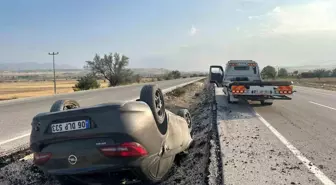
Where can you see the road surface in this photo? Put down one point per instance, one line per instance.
(290, 142)
(16, 115)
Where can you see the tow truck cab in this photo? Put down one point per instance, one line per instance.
(242, 70)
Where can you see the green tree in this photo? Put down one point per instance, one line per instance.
(168, 76)
(172, 75)
(327, 73)
(319, 73)
(176, 74)
(282, 73)
(86, 82)
(268, 72)
(296, 72)
(112, 67)
(333, 73)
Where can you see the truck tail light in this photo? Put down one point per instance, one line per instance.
(41, 158)
(130, 149)
(238, 89)
(285, 89)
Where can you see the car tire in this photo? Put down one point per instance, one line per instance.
(153, 97)
(61, 105)
(184, 113)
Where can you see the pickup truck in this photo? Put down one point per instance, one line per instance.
(242, 80)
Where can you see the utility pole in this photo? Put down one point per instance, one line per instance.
(53, 54)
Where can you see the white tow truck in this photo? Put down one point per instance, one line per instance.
(242, 80)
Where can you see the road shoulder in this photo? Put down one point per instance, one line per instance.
(251, 153)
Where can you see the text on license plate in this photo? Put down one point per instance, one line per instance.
(70, 126)
(263, 92)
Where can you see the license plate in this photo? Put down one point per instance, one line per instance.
(263, 92)
(70, 126)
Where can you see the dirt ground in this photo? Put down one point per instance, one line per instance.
(323, 83)
(188, 170)
(14, 90)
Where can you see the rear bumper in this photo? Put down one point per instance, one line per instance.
(102, 177)
(88, 170)
(125, 164)
(261, 83)
(262, 97)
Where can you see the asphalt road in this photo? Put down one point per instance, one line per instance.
(16, 115)
(290, 142)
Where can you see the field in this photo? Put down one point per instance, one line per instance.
(14, 90)
(323, 83)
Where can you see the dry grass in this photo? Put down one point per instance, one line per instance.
(14, 90)
(323, 83)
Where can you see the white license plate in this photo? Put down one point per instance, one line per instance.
(70, 126)
(263, 92)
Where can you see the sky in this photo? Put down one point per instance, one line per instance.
(186, 35)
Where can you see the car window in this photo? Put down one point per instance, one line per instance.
(241, 68)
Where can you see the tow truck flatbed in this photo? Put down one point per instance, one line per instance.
(242, 80)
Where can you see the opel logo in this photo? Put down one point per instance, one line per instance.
(72, 159)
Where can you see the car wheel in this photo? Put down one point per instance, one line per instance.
(153, 97)
(184, 113)
(61, 105)
(159, 169)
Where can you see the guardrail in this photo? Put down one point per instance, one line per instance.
(25, 146)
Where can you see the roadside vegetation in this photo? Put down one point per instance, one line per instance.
(318, 78)
(103, 71)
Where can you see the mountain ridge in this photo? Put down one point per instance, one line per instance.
(32, 66)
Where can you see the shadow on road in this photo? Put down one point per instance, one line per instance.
(235, 111)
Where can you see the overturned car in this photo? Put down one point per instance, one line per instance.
(110, 143)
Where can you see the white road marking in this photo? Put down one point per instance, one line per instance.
(311, 167)
(322, 105)
(13, 139)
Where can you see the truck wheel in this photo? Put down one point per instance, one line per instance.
(184, 113)
(229, 99)
(61, 105)
(153, 96)
(263, 102)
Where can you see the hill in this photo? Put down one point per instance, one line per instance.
(33, 66)
(26, 68)
(328, 65)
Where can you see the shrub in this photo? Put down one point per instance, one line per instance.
(86, 82)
